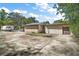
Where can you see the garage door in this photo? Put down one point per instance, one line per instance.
(55, 31)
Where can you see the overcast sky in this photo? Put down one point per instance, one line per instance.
(42, 11)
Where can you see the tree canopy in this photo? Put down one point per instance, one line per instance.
(61, 21)
(46, 22)
(15, 19)
(71, 11)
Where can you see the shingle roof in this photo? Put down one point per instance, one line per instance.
(46, 24)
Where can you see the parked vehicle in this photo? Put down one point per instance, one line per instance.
(7, 28)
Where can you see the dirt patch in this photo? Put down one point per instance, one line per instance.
(20, 43)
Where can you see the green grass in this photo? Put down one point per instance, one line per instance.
(36, 34)
(40, 34)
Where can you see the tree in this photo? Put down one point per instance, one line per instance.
(72, 14)
(15, 19)
(8, 22)
(3, 14)
(32, 20)
(62, 21)
(46, 22)
(18, 18)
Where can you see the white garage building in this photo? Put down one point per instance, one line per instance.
(49, 28)
(57, 29)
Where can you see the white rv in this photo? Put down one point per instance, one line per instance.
(7, 28)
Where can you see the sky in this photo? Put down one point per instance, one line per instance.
(42, 11)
